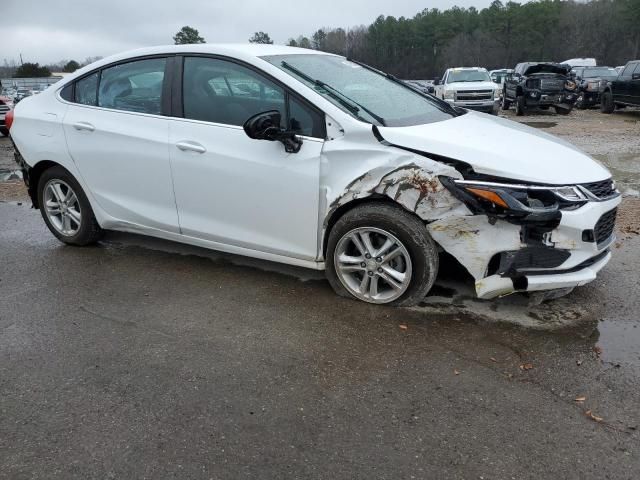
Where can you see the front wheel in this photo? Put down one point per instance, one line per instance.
(380, 253)
(66, 209)
(606, 103)
(505, 103)
(520, 108)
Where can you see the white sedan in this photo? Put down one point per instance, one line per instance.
(311, 159)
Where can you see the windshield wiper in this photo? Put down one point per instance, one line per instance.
(350, 104)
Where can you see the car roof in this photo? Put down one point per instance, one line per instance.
(243, 51)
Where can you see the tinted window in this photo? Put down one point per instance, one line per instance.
(628, 69)
(67, 93)
(224, 92)
(134, 86)
(637, 70)
(305, 120)
(87, 90)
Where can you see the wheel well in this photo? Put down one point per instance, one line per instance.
(340, 211)
(34, 177)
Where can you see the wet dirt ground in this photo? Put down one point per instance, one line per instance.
(138, 358)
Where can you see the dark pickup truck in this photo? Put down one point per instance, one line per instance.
(539, 84)
(623, 91)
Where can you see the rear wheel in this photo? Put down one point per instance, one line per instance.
(380, 253)
(66, 209)
(606, 103)
(520, 107)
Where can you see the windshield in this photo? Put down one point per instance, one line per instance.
(468, 76)
(361, 92)
(604, 72)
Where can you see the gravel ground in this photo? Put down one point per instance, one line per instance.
(138, 358)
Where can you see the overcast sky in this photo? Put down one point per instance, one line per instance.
(47, 31)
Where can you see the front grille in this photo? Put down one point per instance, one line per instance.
(603, 189)
(470, 95)
(604, 228)
(4, 108)
(552, 84)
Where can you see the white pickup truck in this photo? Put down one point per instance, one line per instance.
(469, 87)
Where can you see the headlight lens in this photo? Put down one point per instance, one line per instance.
(514, 200)
(448, 94)
(496, 94)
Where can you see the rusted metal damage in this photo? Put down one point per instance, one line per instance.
(470, 238)
(415, 187)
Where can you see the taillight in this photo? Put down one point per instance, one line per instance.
(8, 119)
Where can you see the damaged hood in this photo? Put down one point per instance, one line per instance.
(500, 147)
(558, 68)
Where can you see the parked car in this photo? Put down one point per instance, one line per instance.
(539, 84)
(499, 76)
(6, 105)
(622, 91)
(469, 88)
(590, 83)
(580, 62)
(21, 93)
(425, 86)
(328, 164)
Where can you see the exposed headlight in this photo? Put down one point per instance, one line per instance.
(514, 200)
(593, 86)
(448, 95)
(569, 85)
(496, 94)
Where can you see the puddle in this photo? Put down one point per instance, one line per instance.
(620, 342)
(625, 169)
(540, 124)
(7, 175)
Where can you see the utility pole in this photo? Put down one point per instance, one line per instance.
(21, 63)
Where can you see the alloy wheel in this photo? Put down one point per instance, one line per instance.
(62, 207)
(373, 265)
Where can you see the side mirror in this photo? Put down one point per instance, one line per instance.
(436, 81)
(266, 126)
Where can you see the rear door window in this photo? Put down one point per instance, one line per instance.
(134, 86)
(87, 90)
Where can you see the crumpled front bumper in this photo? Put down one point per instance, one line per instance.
(476, 243)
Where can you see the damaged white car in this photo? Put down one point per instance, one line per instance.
(313, 160)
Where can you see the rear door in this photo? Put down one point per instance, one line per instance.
(118, 137)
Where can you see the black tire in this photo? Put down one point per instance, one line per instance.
(520, 107)
(89, 231)
(562, 110)
(505, 104)
(408, 229)
(606, 103)
(4, 131)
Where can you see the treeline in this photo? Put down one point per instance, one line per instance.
(495, 37)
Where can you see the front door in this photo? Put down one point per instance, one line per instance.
(232, 189)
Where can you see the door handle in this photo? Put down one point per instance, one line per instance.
(84, 126)
(191, 147)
